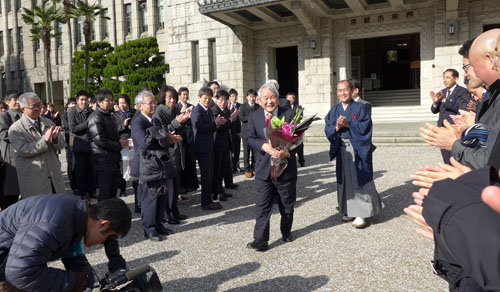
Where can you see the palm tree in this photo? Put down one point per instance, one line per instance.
(42, 19)
(88, 13)
(70, 13)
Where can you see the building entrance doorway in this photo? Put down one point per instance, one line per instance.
(287, 70)
(388, 69)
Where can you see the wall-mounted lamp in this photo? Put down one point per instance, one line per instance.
(313, 44)
(451, 29)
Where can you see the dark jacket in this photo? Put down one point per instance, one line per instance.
(104, 140)
(466, 230)
(35, 231)
(10, 185)
(187, 135)
(458, 99)
(235, 124)
(257, 136)
(120, 117)
(245, 111)
(222, 134)
(488, 115)
(203, 130)
(78, 126)
(167, 116)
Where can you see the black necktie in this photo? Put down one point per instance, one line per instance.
(37, 126)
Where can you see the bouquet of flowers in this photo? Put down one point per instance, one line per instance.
(288, 136)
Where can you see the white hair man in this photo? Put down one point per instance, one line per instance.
(35, 140)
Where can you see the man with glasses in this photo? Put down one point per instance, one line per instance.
(35, 140)
(106, 145)
(9, 175)
(448, 101)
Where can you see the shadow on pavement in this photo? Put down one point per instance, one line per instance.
(300, 284)
(212, 281)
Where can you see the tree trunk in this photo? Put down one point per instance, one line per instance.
(86, 33)
(47, 80)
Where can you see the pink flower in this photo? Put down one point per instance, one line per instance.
(287, 129)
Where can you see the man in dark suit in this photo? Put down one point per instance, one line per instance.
(189, 177)
(234, 105)
(152, 205)
(8, 177)
(204, 126)
(214, 85)
(448, 101)
(82, 155)
(284, 185)
(356, 96)
(245, 110)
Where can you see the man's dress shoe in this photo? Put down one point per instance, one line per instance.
(287, 238)
(155, 236)
(259, 245)
(181, 217)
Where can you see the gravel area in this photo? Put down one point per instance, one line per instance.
(208, 253)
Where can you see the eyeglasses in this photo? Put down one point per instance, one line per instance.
(493, 55)
(465, 67)
(36, 105)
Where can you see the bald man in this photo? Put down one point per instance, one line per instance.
(483, 61)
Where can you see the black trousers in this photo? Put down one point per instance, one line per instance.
(171, 210)
(70, 169)
(287, 196)
(189, 177)
(235, 152)
(206, 162)
(300, 153)
(248, 163)
(220, 167)
(107, 181)
(152, 210)
(6, 201)
(85, 176)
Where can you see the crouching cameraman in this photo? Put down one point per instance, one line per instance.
(45, 228)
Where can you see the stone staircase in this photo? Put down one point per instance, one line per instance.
(402, 97)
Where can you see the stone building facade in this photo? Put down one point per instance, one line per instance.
(398, 49)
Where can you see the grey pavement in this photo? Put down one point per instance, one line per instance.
(208, 253)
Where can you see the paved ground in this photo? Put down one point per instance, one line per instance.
(208, 252)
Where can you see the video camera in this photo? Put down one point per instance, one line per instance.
(144, 279)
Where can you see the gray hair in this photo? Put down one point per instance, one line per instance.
(274, 83)
(25, 97)
(270, 87)
(139, 99)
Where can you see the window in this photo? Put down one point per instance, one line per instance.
(23, 81)
(78, 30)
(59, 38)
(92, 30)
(212, 54)
(37, 46)
(128, 19)
(104, 24)
(18, 4)
(160, 24)
(196, 61)
(20, 39)
(9, 5)
(1, 43)
(143, 21)
(10, 42)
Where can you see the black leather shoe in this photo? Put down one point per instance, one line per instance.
(222, 198)
(302, 163)
(181, 217)
(164, 231)
(173, 221)
(232, 186)
(155, 236)
(288, 238)
(227, 195)
(259, 245)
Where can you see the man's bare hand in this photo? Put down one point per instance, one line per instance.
(427, 175)
(173, 138)
(415, 214)
(55, 132)
(472, 106)
(235, 114)
(436, 97)
(124, 143)
(48, 134)
(440, 137)
(419, 196)
(126, 121)
(220, 120)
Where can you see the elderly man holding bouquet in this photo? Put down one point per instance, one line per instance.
(273, 132)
